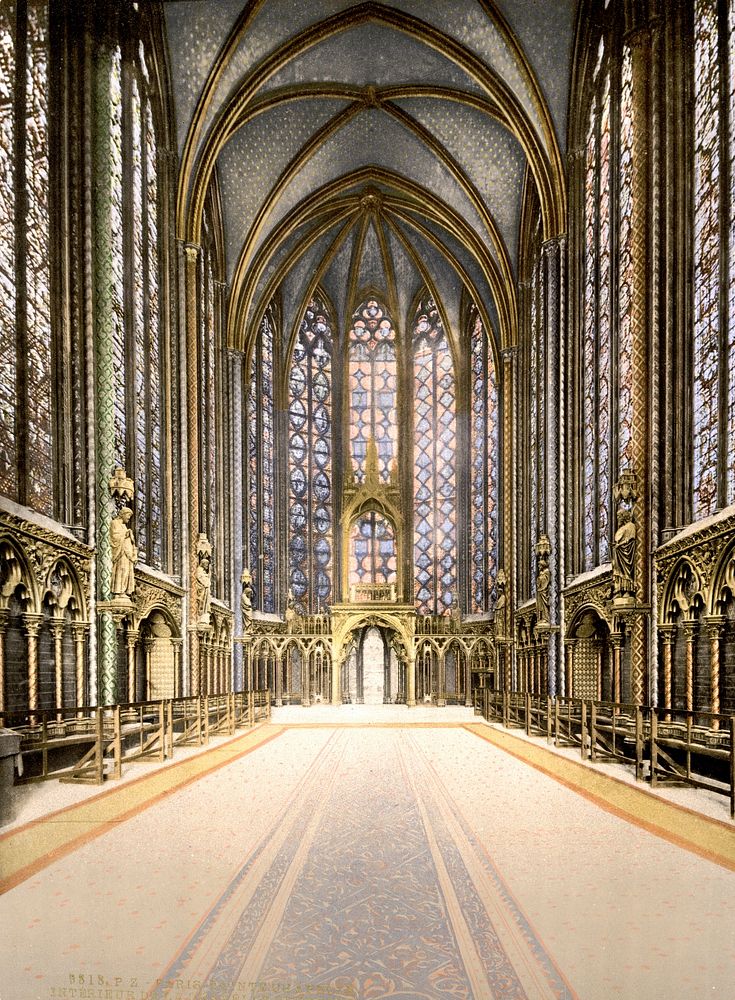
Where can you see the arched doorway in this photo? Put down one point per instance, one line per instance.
(371, 669)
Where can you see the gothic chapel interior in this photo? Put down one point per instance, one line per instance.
(366, 353)
(387, 315)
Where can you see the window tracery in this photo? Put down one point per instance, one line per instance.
(261, 466)
(373, 386)
(484, 486)
(137, 238)
(435, 464)
(713, 359)
(27, 443)
(605, 352)
(310, 462)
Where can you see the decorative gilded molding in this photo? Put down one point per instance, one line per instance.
(43, 549)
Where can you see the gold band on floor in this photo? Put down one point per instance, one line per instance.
(28, 849)
(709, 838)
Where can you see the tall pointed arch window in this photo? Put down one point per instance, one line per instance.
(713, 356)
(372, 550)
(310, 490)
(605, 355)
(435, 463)
(484, 466)
(597, 324)
(138, 234)
(261, 466)
(27, 437)
(373, 388)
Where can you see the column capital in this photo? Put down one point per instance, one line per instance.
(32, 623)
(576, 154)
(715, 626)
(57, 627)
(690, 626)
(508, 353)
(667, 633)
(192, 251)
(638, 35)
(554, 244)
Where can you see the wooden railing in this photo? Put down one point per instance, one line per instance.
(664, 745)
(88, 744)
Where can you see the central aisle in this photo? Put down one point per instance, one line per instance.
(374, 862)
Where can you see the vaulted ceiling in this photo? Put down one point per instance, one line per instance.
(370, 145)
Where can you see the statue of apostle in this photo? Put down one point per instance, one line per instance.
(543, 587)
(203, 580)
(246, 597)
(124, 554)
(623, 556)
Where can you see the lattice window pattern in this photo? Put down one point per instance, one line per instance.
(435, 464)
(310, 462)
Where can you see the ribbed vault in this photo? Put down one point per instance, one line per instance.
(359, 145)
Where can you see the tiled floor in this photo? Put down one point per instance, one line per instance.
(372, 861)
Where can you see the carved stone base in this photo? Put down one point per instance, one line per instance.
(623, 602)
(119, 607)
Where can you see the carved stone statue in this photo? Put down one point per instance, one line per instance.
(246, 598)
(290, 611)
(543, 586)
(500, 600)
(623, 556)
(203, 579)
(124, 554)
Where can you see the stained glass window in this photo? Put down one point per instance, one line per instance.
(8, 375)
(625, 264)
(137, 337)
(261, 467)
(589, 356)
(435, 464)
(731, 258)
(310, 462)
(707, 203)
(713, 359)
(153, 318)
(372, 550)
(118, 260)
(26, 447)
(598, 367)
(139, 327)
(373, 383)
(484, 486)
(604, 332)
(39, 459)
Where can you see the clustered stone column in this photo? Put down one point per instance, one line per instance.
(191, 252)
(638, 37)
(508, 355)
